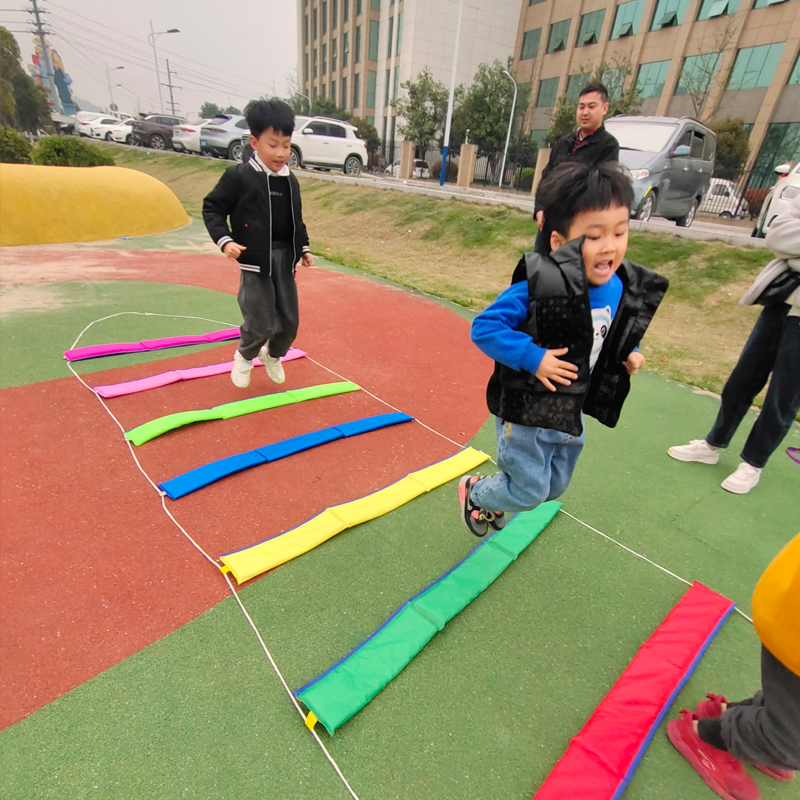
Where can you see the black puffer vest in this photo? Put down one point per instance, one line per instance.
(560, 315)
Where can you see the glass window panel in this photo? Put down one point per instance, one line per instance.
(548, 89)
(396, 87)
(345, 98)
(314, 23)
(324, 17)
(345, 49)
(357, 59)
(652, 77)
(324, 59)
(613, 80)
(346, 11)
(575, 83)
(374, 29)
(627, 19)
(359, 7)
(590, 28)
(697, 74)
(794, 78)
(357, 91)
(755, 66)
(334, 48)
(334, 15)
(391, 33)
(371, 80)
(668, 14)
(375, 5)
(305, 29)
(399, 30)
(557, 38)
(530, 44)
(709, 9)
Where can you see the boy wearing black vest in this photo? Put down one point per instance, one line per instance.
(564, 338)
(266, 236)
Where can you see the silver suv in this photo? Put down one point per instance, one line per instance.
(328, 144)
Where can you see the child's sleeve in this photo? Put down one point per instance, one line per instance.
(217, 207)
(495, 332)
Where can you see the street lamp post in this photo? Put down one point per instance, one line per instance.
(152, 41)
(308, 100)
(108, 78)
(510, 125)
(446, 143)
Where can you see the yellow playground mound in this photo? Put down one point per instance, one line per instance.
(52, 205)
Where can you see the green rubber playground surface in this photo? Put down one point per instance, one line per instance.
(490, 704)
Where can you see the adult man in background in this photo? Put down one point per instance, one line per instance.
(590, 143)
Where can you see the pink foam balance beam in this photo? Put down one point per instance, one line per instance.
(602, 758)
(166, 378)
(118, 348)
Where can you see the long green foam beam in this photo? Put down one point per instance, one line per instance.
(346, 687)
(156, 427)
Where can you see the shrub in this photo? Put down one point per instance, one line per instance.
(450, 173)
(525, 181)
(69, 151)
(14, 147)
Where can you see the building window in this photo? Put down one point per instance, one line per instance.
(613, 80)
(697, 74)
(314, 74)
(333, 91)
(345, 98)
(627, 18)
(396, 88)
(557, 39)
(399, 31)
(391, 33)
(765, 3)
(794, 78)
(345, 49)
(305, 67)
(548, 89)
(334, 54)
(575, 83)
(590, 28)
(334, 16)
(668, 14)
(530, 44)
(372, 77)
(357, 59)
(314, 24)
(346, 11)
(539, 137)
(324, 59)
(374, 29)
(651, 78)
(305, 29)
(371, 121)
(375, 5)
(717, 8)
(388, 84)
(324, 17)
(314, 93)
(755, 66)
(359, 7)
(535, 2)
(324, 91)
(781, 144)
(356, 90)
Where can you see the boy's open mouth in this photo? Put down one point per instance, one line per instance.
(603, 267)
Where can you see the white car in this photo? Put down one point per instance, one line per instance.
(421, 169)
(83, 122)
(121, 132)
(186, 137)
(327, 144)
(725, 199)
(102, 127)
(779, 196)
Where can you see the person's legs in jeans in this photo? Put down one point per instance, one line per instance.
(782, 401)
(749, 375)
(563, 463)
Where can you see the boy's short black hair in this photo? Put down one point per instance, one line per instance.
(573, 187)
(595, 86)
(263, 114)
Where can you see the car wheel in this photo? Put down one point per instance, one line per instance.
(352, 165)
(158, 142)
(688, 219)
(726, 215)
(235, 151)
(294, 160)
(128, 139)
(646, 208)
(108, 136)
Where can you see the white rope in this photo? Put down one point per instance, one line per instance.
(196, 545)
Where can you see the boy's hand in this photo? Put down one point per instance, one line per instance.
(307, 260)
(551, 368)
(540, 219)
(233, 250)
(634, 363)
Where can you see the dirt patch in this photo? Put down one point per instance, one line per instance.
(29, 298)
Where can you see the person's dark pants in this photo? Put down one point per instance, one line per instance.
(773, 346)
(269, 306)
(765, 729)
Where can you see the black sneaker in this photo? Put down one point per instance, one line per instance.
(496, 519)
(473, 517)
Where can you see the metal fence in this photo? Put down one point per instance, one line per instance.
(740, 195)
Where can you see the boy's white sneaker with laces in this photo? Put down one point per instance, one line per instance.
(743, 480)
(272, 365)
(697, 450)
(240, 372)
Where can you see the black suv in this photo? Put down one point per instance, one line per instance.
(155, 130)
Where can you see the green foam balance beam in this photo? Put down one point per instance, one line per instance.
(157, 427)
(346, 687)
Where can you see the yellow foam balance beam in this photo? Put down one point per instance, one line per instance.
(251, 561)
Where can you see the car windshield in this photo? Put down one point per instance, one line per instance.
(650, 137)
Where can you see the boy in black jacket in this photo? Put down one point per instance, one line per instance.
(266, 236)
(564, 338)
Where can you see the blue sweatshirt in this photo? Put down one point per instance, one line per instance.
(495, 332)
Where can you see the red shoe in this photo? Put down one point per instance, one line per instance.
(720, 771)
(712, 707)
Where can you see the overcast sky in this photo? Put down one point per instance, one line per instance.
(227, 51)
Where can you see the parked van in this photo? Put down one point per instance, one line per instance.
(670, 160)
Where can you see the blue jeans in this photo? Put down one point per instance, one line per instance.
(536, 465)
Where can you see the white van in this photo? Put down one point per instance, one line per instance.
(724, 198)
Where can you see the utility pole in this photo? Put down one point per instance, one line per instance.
(170, 85)
(48, 65)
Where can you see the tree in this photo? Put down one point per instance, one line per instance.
(733, 147)
(368, 133)
(32, 109)
(323, 107)
(209, 110)
(233, 110)
(613, 76)
(423, 110)
(9, 66)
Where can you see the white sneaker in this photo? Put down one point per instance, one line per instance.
(240, 372)
(697, 450)
(743, 480)
(272, 365)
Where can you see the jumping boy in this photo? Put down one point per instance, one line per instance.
(563, 337)
(266, 236)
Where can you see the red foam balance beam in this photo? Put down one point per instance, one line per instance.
(602, 758)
